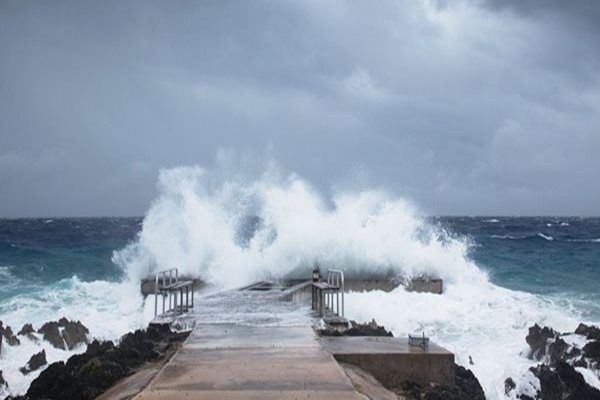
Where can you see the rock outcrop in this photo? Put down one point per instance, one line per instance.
(34, 363)
(74, 333)
(64, 334)
(3, 384)
(590, 332)
(466, 387)
(8, 335)
(51, 334)
(557, 376)
(27, 329)
(563, 382)
(87, 375)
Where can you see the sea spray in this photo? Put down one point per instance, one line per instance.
(195, 225)
(483, 324)
(232, 228)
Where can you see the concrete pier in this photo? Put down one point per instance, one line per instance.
(253, 344)
(231, 361)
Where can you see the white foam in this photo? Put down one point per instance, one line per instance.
(472, 318)
(590, 376)
(194, 222)
(108, 309)
(547, 237)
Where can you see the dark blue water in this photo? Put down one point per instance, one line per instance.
(36, 252)
(545, 255)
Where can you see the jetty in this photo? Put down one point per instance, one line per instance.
(261, 342)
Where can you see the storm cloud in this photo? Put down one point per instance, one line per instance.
(465, 107)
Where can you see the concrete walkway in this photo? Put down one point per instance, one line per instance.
(250, 361)
(230, 361)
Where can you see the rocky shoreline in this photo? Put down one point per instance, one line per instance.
(567, 363)
(566, 359)
(87, 375)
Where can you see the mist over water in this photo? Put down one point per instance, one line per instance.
(233, 226)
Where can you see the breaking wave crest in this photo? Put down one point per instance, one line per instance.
(234, 231)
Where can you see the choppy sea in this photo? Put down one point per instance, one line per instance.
(502, 274)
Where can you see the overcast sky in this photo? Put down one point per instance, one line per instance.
(465, 107)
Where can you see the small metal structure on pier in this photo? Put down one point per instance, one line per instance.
(168, 286)
(326, 295)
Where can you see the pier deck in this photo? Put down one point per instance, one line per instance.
(231, 361)
(252, 345)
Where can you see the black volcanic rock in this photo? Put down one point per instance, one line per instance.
(509, 386)
(64, 334)
(537, 339)
(51, 334)
(557, 350)
(34, 363)
(592, 350)
(3, 383)
(557, 374)
(590, 332)
(74, 333)
(8, 335)
(466, 387)
(26, 330)
(356, 329)
(87, 375)
(563, 383)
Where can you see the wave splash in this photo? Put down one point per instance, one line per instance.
(233, 231)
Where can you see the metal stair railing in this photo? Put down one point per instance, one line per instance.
(326, 295)
(167, 284)
(335, 277)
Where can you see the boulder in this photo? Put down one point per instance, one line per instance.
(8, 335)
(64, 334)
(592, 350)
(3, 384)
(26, 330)
(509, 386)
(590, 332)
(34, 363)
(557, 351)
(74, 333)
(51, 334)
(538, 339)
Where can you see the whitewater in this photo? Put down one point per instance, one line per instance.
(231, 229)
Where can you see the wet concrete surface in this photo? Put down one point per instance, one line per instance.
(250, 346)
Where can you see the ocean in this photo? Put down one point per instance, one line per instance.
(502, 274)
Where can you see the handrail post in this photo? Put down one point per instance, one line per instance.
(156, 296)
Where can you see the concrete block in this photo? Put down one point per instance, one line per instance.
(425, 285)
(392, 361)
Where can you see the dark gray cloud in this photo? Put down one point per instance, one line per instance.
(467, 107)
(575, 11)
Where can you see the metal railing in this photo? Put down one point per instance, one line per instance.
(168, 285)
(335, 277)
(168, 277)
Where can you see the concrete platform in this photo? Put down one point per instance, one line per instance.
(230, 361)
(392, 360)
(249, 344)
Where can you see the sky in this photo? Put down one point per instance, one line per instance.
(465, 107)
